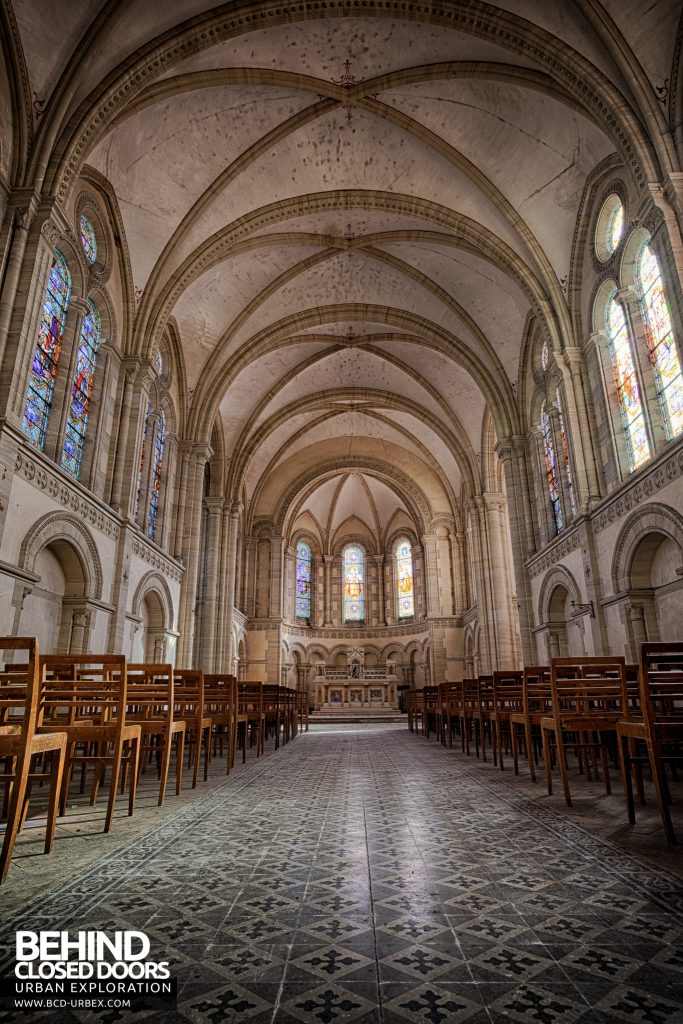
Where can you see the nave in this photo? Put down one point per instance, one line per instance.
(363, 874)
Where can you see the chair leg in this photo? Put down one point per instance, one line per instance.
(114, 785)
(530, 751)
(562, 760)
(165, 766)
(627, 780)
(546, 760)
(179, 752)
(15, 805)
(661, 790)
(59, 756)
(134, 757)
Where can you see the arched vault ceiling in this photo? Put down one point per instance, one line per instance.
(349, 269)
(287, 481)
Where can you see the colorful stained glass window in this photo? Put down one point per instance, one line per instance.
(142, 459)
(46, 356)
(155, 488)
(628, 389)
(81, 392)
(615, 227)
(551, 470)
(88, 240)
(565, 456)
(404, 579)
(661, 341)
(159, 363)
(354, 584)
(303, 581)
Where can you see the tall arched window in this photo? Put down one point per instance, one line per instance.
(660, 340)
(46, 357)
(354, 584)
(155, 484)
(565, 455)
(405, 583)
(303, 581)
(551, 470)
(81, 392)
(628, 389)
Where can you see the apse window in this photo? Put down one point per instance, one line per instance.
(405, 584)
(627, 385)
(354, 584)
(610, 227)
(88, 239)
(81, 392)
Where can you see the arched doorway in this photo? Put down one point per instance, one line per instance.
(656, 577)
(55, 611)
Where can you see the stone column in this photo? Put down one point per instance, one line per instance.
(22, 209)
(587, 483)
(231, 515)
(459, 572)
(209, 625)
(431, 574)
(382, 611)
(190, 552)
(328, 559)
(519, 513)
(276, 596)
(126, 468)
(495, 508)
(80, 627)
(668, 198)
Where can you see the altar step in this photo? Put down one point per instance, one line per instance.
(355, 716)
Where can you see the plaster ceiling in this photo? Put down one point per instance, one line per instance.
(382, 245)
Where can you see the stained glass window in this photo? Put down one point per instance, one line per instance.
(545, 356)
(303, 581)
(88, 240)
(551, 470)
(354, 584)
(142, 460)
(159, 362)
(628, 389)
(661, 341)
(46, 356)
(565, 455)
(155, 489)
(615, 226)
(404, 578)
(81, 392)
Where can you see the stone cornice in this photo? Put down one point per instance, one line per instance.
(153, 556)
(662, 471)
(361, 633)
(568, 541)
(42, 474)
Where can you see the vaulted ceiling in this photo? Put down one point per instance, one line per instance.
(348, 218)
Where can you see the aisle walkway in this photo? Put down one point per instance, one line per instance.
(364, 875)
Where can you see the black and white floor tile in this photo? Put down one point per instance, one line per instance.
(363, 875)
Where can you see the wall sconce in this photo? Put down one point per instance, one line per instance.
(583, 609)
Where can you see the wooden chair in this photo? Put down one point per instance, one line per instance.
(220, 705)
(250, 715)
(483, 715)
(151, 706)
(657, 726)
(302, 710)
(430, 704)
(536, 705)
(508, 696)
(20, 743)
(85, 696)
(451, 695)
(274, 712)
(414, 707)
(469, 703)
(588, 697)
(189, 707)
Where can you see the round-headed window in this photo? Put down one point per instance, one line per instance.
(610, 227)
(88, 240)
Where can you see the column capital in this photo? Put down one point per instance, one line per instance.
(236, 509)
(573, 359)
(505, 449)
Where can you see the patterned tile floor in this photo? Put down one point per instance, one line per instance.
(365, 875)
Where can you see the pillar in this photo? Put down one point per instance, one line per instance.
(197, 459)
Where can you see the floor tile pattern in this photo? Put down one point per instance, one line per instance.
(364, 875)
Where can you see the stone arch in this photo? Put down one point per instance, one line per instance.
(557, 577)
(65, 527)
(653, 518)
(153, 582)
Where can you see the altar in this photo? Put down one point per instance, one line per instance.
(355, 686)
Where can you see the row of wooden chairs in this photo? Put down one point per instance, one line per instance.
(65, 714)
(602, 709)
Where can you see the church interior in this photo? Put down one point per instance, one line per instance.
(341, 503)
